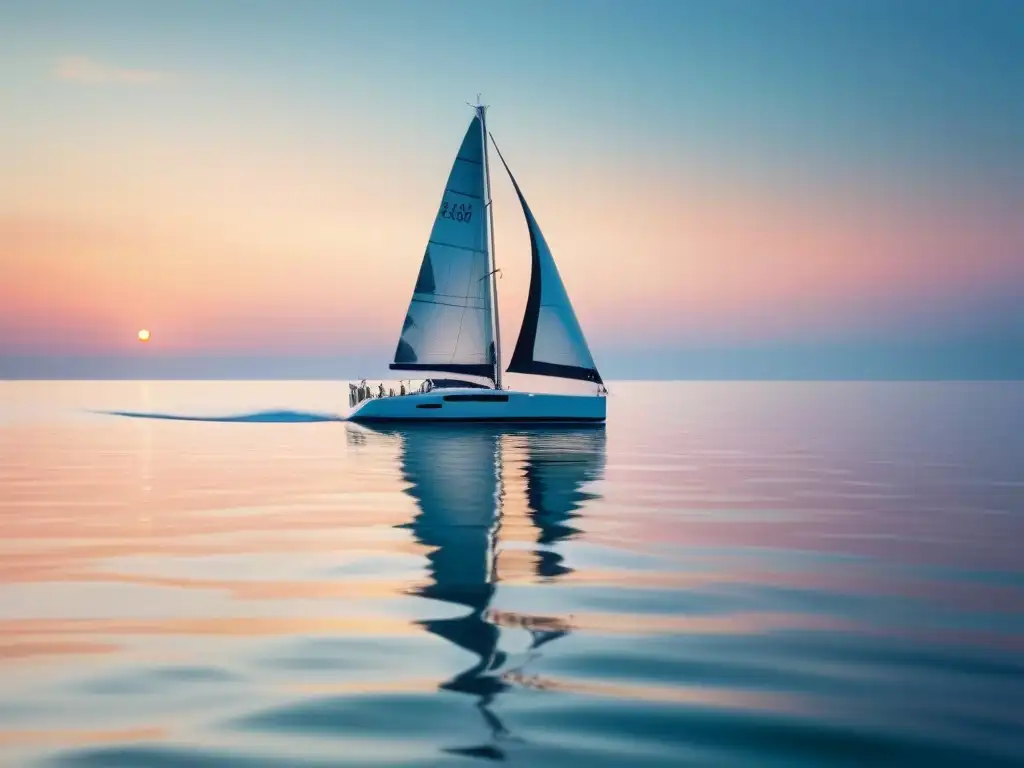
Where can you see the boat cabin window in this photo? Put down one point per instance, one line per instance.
(476, 398)
(456, 384)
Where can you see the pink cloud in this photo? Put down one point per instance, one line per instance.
(82, 69)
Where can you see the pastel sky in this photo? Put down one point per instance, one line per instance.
(783, 180)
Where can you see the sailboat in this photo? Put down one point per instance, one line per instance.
(451, 332)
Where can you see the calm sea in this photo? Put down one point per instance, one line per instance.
(726, 574)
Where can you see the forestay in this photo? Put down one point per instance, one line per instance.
(551, 341)
(448, 325)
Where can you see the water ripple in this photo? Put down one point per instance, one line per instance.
(727, 574)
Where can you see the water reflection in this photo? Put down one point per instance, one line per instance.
(460, 478)
(558, 465)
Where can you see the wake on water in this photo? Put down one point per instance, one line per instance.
(259, 417)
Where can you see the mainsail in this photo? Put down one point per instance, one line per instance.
(448, 326)
(551, 341)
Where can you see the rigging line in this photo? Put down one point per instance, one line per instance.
(450, 296)
(453, 245)
(447, 304)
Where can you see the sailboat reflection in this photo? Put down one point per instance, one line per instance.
(460, 478)
(557, 465)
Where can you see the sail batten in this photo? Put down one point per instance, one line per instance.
(448, 325)
(452, 245)
(551, 341)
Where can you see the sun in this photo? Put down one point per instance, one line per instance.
(143, 335)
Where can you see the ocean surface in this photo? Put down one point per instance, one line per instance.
(726, 574)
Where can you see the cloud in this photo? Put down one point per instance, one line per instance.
(82, 69)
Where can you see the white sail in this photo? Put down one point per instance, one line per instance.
(551, 341)
(448, 326)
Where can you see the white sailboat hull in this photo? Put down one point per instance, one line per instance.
(482, 405)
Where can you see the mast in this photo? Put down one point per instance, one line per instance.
(481, 112)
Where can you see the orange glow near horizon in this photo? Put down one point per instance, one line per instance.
(258, 247)
(280, 273)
